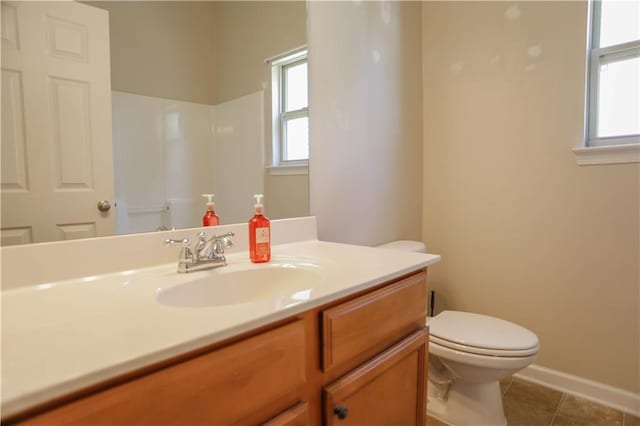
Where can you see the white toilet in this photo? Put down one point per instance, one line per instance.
(468, 355)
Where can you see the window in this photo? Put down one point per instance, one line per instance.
(614, 73)
(290, 108)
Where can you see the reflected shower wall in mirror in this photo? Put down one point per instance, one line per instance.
(190, 107)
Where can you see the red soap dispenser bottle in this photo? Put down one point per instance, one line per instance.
(259, 234)
(210, 218)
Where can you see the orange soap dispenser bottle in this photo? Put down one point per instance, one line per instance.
(210, 218)
(259, 234)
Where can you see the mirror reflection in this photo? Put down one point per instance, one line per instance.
(118, 116)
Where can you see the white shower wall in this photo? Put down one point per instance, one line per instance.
(238, 150)
(167, 154)
(365, 176)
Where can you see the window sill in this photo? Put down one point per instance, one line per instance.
(607, 154)
(289, 170)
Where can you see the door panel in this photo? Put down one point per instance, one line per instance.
(14, 166)
(76, 231)
(9, 27)
(71, 122)
(67, 40)
(14, 236)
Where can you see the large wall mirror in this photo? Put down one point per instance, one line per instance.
(148, 109)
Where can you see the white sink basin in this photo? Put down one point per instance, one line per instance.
(283, 283)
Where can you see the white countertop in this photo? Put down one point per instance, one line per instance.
(61, 337)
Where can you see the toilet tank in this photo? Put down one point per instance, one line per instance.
(405, 245)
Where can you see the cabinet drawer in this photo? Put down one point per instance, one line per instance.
(246, 382)
(356, 330)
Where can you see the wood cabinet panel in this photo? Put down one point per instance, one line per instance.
(356, 330)
(253, 379)
(388, 390)
(297, 415)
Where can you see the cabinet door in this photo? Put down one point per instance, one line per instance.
(387, 390)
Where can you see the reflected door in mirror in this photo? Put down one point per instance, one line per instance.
(56, 122)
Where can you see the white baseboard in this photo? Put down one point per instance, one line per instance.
(600, 393)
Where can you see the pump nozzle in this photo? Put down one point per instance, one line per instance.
(210, 200)
(258, 205)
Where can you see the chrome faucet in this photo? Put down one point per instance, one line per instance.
(206, 253)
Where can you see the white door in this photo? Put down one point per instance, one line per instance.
(57, 160)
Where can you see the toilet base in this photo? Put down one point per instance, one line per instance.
(468, 404)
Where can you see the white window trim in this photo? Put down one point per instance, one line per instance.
(289, 170)
(607, 150)
(607, 154)
(278, 166)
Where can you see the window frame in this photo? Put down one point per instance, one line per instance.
(280, 116)
(598, 56)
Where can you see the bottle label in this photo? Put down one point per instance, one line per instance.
(262, 235)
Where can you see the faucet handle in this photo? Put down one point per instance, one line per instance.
(184, 242)
(224, 237)
(220, 242)
(186, 255)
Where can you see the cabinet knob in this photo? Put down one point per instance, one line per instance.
(341, 412)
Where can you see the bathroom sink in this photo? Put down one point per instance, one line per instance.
(283, 283)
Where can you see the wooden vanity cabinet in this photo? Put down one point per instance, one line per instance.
(381, 338)
(360, 360)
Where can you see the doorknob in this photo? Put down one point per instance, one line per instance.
(104, 205)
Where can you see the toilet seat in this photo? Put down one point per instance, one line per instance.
(469, 359)
(484, 351)
(482, 335)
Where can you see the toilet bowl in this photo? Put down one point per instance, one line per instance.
(468, 355)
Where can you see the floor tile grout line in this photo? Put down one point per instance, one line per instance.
(557, 410)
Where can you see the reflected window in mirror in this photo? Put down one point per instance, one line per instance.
(290, 110)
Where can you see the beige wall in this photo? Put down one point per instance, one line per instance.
(247, 33)
(288, 196)
(525, 234)
(199, 51)
(366, 170)
(162, 48)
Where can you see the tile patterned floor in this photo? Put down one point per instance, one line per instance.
(528, 404)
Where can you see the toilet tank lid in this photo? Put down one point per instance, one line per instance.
(481, 331)
(405, 245)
